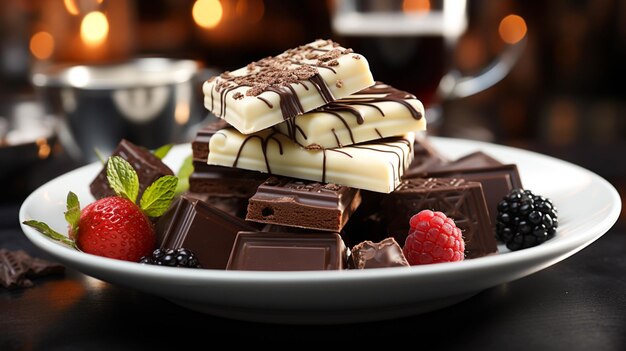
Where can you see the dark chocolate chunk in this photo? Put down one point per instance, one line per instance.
(458, 199)
(497, 182)
(235, 206)
(275, 228)
(200, 144)
(224, 181)
(386, 253)
(262, 251)
(148, 167)
(17, 269)
(303, 204)
(425, 157)
(205, 230)
(474, 160)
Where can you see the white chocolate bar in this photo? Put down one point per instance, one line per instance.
(375, 166)
(274, 89)
(377, 112)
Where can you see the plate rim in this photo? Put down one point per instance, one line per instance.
(566, 247)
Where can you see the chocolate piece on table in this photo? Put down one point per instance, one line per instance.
(303, 204)
(497, 182)
(262, 251)
(17, 268)
(273, 89)
(375, 166)
(148, 167)
(224, 181)
(386, 253)
(426, 157)
(458, 199)
(376, 112)
(200, 143)
(205, 230)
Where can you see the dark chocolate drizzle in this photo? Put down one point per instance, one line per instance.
(389, 142)
(269, 104)
(264, 142)
(347, 106)
(278, 74)
(378, 132)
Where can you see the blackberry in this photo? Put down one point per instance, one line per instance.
(180, 257)
(525, 220)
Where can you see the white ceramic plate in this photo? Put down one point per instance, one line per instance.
(588, 206)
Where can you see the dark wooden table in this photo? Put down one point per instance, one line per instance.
(578, 304)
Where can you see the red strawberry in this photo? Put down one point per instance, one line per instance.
(115, 227)
(433, 238)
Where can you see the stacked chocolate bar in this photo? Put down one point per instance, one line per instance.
(309, 145)
(314, 113)
(314, 119)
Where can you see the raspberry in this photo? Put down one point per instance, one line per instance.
(433, 238)
(525, 220)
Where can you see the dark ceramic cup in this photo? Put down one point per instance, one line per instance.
(149, 101)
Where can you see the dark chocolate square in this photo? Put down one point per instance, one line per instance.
(148, 167)
(303, 204)
(458, 199)
(224, 181)
(425, 158)
(200, 144)
(205, 230)
(262, 251)
(497, 182)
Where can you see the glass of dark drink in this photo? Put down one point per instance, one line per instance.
(409, 45)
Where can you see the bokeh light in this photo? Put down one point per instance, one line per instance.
(42, 45)
(207, 13)
(416, 6)
(70, 6)
(94, 28)
(512, 29)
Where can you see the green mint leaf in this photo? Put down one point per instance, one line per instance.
(183, 175)
(158, 196)
(122, 178)
(44, 229)
(163, 150)
(100, 155)
(72, 215)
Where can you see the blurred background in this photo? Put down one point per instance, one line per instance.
(552, 72)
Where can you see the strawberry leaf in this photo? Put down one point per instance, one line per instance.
(44, 229)
(122, 178)
(183, 175)
(163, 150)
(72, 215)
(158, 196)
